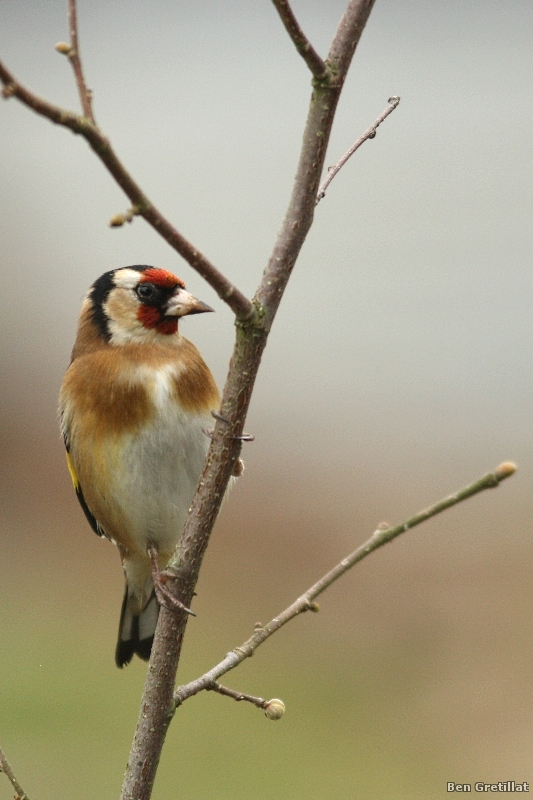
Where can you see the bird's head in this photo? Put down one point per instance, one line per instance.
(139, 304)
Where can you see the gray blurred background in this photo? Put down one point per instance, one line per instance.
(398, 370)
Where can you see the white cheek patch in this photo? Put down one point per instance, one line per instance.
(121, 311)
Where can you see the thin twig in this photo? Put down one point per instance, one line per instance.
(240, 305)
(368, 134)
(75, 60)
(306, 601)
(274, 709)
(300, 40)
(256, 701)
(5, 766)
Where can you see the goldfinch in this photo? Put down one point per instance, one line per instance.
(134, 406)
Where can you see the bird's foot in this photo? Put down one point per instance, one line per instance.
(163, 594)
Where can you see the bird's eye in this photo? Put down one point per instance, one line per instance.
(146, 291)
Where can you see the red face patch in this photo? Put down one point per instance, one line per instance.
(162, 278)
(151, 317)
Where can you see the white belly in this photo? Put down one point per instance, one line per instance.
(158, 472)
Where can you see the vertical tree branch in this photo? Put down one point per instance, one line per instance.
(347, 36)
(225, 445)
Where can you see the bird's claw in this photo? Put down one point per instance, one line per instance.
(163, 594)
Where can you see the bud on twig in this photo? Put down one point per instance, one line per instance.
(117, 220)
(505, 470)
(63, 48)
(274, 709)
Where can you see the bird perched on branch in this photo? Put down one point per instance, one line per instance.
(134, 404)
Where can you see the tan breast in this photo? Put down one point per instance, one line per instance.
(107, 392)
(124, 410)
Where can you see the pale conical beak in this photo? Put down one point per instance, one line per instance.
(182, 303)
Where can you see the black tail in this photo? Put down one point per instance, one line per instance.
(136, 631)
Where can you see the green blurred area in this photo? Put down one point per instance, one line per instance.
(416, 670)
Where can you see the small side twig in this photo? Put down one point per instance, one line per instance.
(305, 602)
(5, 766)
(300, 40)
(368, 134)
(75, 60)
(256, 701)
(274, 709)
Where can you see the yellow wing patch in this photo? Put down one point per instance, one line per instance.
(91, 519)
(72, 471)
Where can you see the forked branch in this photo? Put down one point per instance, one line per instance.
(301, 42)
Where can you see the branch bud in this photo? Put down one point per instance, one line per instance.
(505, 470)
(274, 709)
(117, 220)
(63, 48)
(120, 219)
(8, 90)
